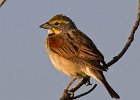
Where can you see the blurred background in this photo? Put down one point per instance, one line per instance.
(26, 72)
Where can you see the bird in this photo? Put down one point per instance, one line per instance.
(73, 53)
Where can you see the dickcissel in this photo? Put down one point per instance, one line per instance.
(73, 52)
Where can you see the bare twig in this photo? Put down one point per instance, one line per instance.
(2, 2)
(67, 96)
(130, 40)
(83, 94)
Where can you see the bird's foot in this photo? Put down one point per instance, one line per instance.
(88, 82)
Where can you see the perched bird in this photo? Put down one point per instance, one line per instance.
(73, 52)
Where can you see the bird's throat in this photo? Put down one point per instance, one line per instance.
(53, 31)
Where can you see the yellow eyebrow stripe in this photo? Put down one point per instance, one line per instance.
(60, 21)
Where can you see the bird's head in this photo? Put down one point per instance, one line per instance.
(58, 24)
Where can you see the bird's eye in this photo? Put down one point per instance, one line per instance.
(56, 23)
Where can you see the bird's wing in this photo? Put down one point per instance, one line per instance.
(77, 47)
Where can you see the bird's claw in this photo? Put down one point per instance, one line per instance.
(88, 82)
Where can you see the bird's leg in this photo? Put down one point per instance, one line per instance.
(82, 82)
(70, 92)
(67, 87)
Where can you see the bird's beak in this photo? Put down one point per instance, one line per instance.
(46, 26)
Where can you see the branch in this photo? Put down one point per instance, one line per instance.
(83, 94)
(130, 40)
(67, 96)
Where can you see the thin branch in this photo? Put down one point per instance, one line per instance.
(83, 94)
(130, 40)
(67, 96)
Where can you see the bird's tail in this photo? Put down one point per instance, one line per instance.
(98, 75)
(112, 93)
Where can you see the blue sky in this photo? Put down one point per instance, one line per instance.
(26, 72)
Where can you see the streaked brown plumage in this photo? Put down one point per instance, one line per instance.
(73, 53)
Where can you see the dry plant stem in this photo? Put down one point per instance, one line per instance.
(114, 60)
(67, 95)
(130, 40)
(83, 94)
